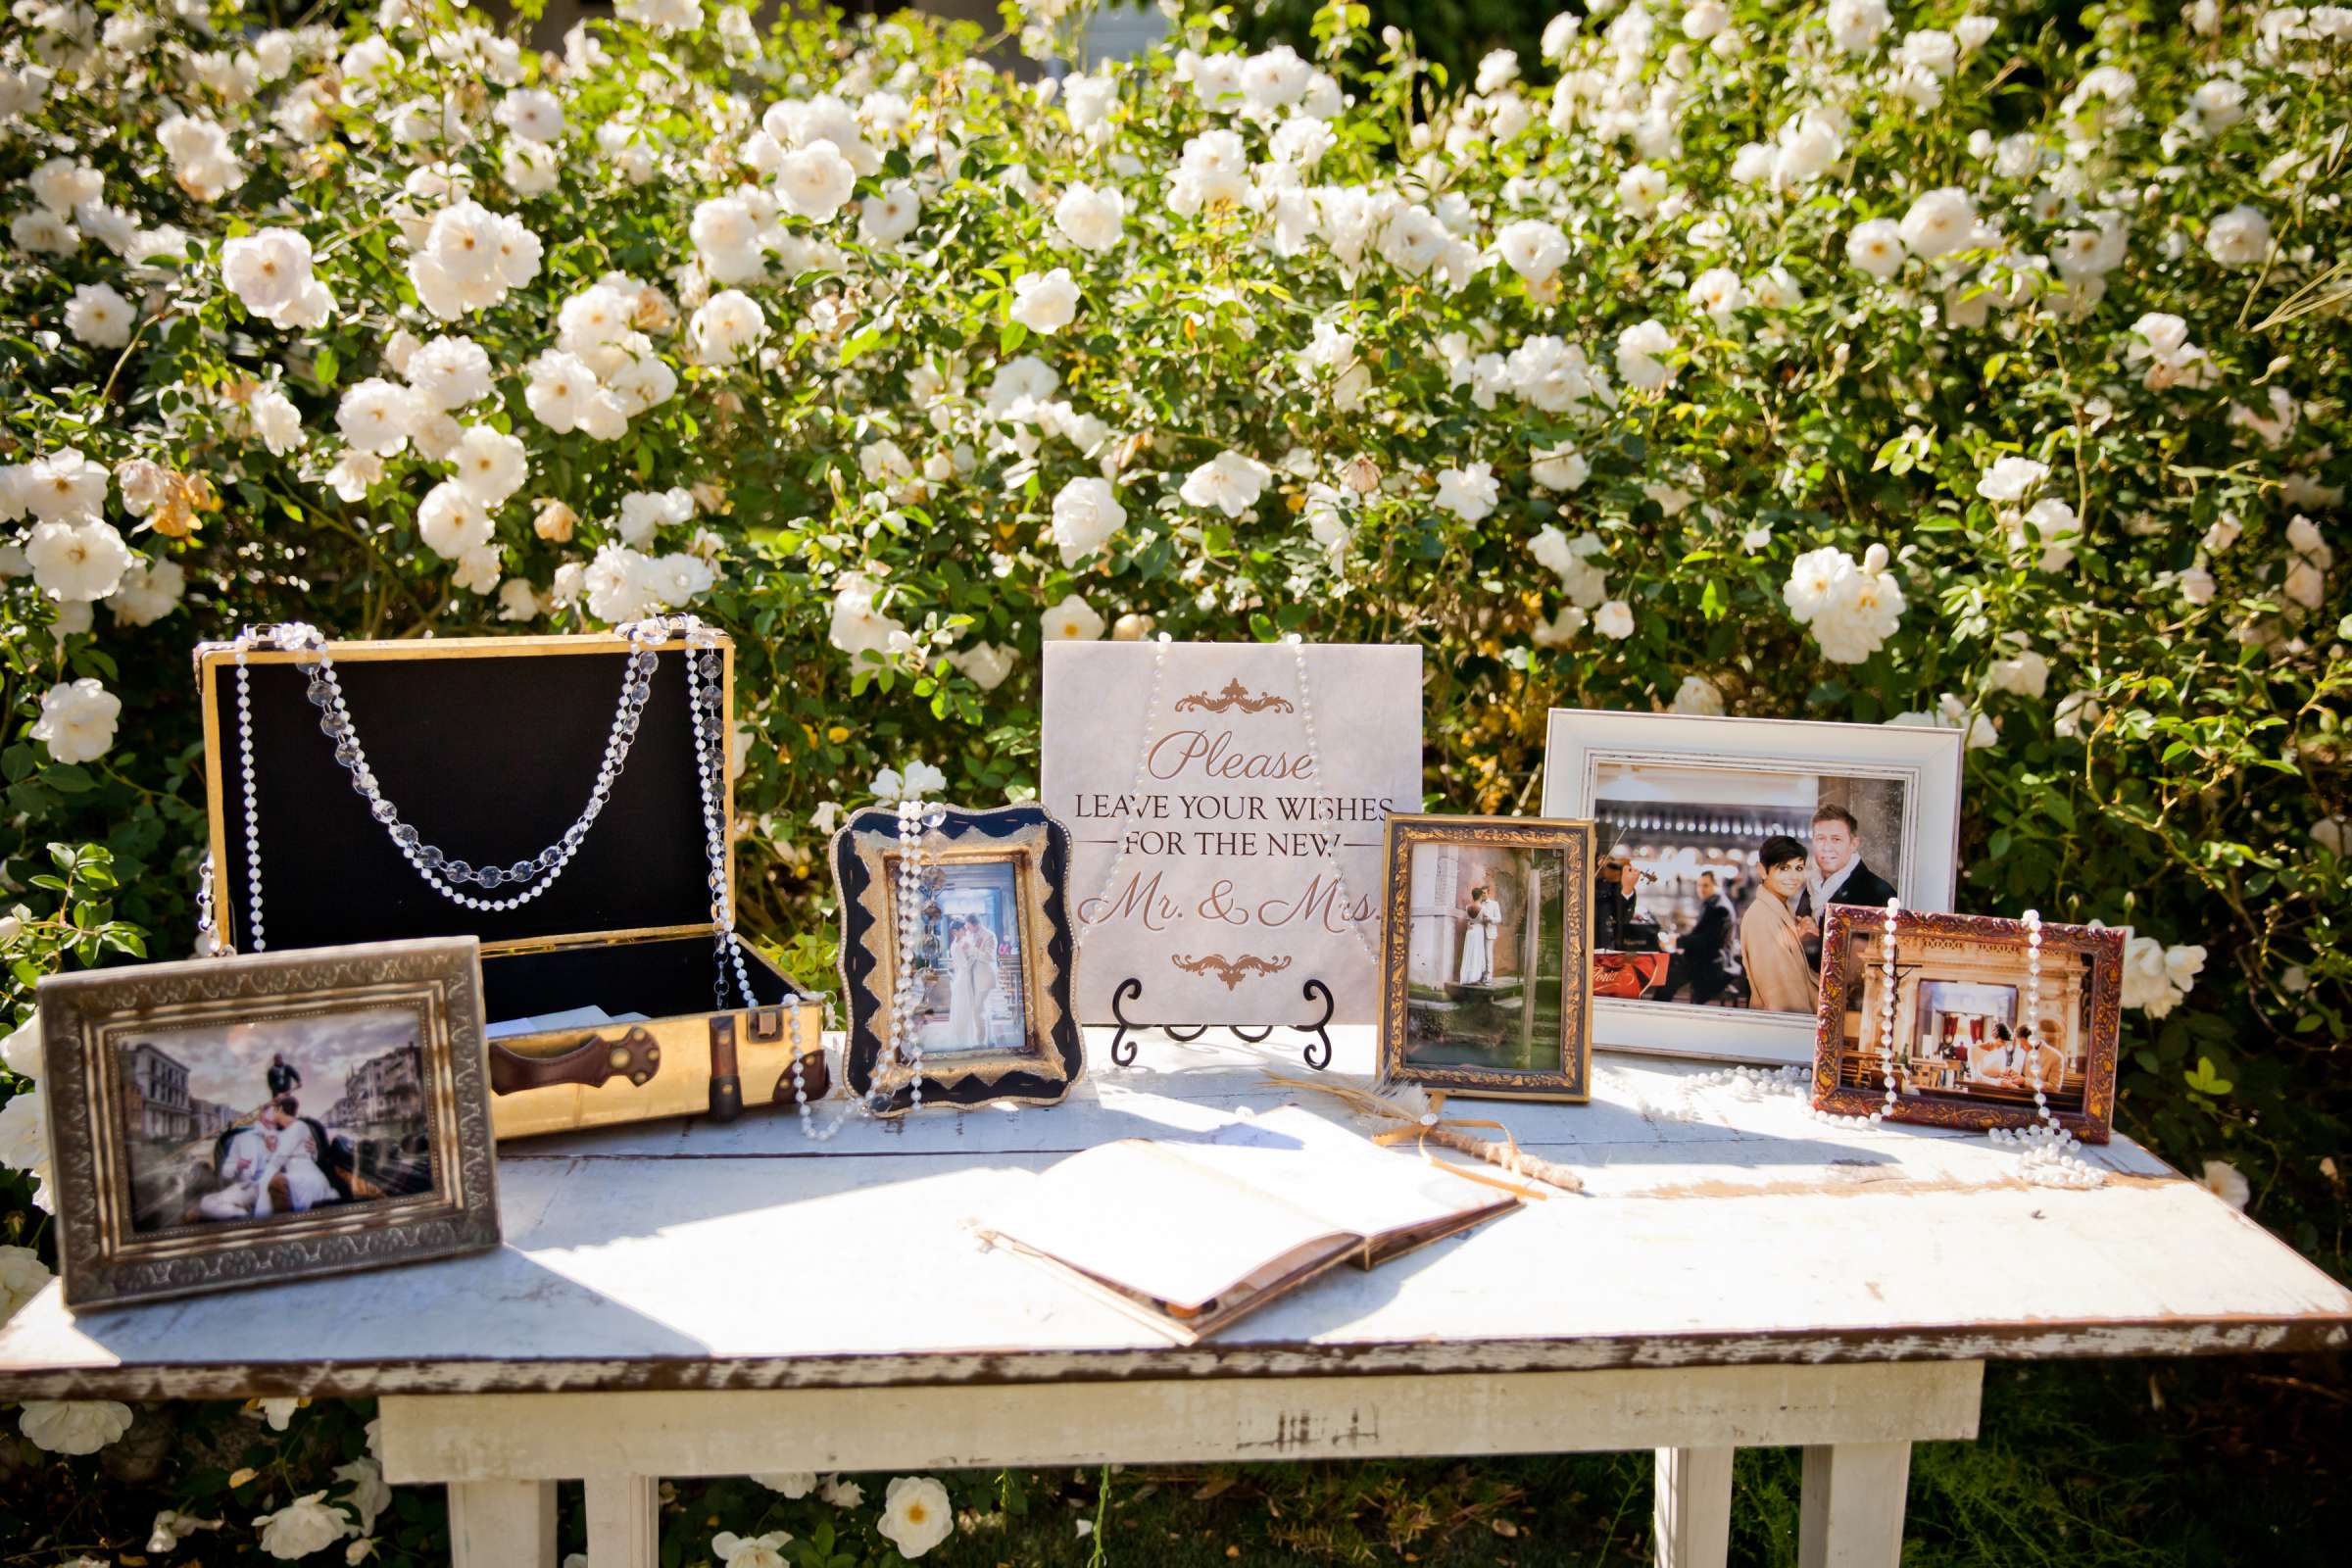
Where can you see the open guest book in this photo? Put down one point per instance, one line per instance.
(1190, 1233)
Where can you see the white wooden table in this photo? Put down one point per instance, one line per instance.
(693, 1299)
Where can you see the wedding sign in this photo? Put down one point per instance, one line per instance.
(1229, 803)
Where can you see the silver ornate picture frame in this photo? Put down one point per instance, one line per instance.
(243, 1120)
(1703, 950)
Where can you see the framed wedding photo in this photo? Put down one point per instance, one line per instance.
(1722, 845)
(1486, 971)
(986, 980)
(1975, 1038)
(244, 1121)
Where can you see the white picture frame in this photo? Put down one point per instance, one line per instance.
(1589, 753)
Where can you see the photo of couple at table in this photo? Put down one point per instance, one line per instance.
(1960, 1030)
(1713, 884)
(968, 996)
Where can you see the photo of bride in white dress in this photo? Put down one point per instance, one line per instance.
(1480, 920)
(968, 968)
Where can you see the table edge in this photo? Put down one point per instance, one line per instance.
(2033, 1340)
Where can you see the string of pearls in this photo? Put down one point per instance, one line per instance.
(902, 1057)
(1135, 786)
(1884, 1029)
(2046, 1152)
(1315, 755)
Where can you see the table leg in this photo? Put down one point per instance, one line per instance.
(1692, 1520)
(625, 1521)
(1852, 1514)
(502, 1523)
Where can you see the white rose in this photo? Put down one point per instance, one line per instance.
(532, 113)
(63, 486)
(1559, 468)
(1876, 247)
(916, 1515)
(268, 271)
(1638, 362)
(1073, 620)
(1045, 301)
(147, 594)
(2011, 478)
(815, 181)
(76, 562)
(277, 421)
(1640, 190)
(728, 326)
(2239, 237)
(858, 630)
(1938, 222)
(1699, 695)
(890, 215)
(1086, 513)
(23, 1275)
(1229, 482)
(302, 1526)
(491, 465)
(1614, 619)
(2025, 673)
(561, 391)
(100, 317)
(986, 663)
(1468, 493)
(451, 521)
(73, 1426)
(1089, 219)
(449, 373)
(1855, 25)
(379, 417)
(1532, 248)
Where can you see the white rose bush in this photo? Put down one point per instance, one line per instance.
(1938, 365)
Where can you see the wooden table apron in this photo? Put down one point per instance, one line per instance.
(696, 1299)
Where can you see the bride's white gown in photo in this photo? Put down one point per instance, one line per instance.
(972, 969)
(1478, 943)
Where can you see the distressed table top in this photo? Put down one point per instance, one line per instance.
(1716, 1228)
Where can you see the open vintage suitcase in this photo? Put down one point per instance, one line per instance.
(490, 747)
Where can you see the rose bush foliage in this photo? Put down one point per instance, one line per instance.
(1929, 364)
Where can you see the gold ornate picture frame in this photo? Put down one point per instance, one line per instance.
(992, 981)
(1965, 1056)
(1486, 956)
(235, 1122)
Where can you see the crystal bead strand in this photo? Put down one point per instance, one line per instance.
(704, 696)
(325, 692)
(2046, 1150)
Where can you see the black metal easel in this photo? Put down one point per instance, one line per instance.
(1317, 1050)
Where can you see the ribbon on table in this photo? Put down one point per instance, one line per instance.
(1425, 1123)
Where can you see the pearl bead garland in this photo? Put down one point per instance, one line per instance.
(2045, 1152)
(901, 1047)
(1886, 1029)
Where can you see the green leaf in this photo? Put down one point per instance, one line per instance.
(324, 368)
(2205, 1080)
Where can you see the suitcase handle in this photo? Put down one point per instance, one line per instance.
(595, 1061)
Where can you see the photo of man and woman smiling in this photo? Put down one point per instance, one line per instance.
(1713, 881)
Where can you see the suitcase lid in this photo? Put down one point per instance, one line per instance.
(489, 747)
